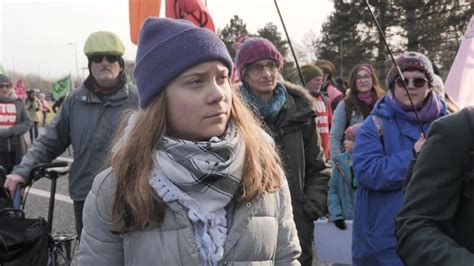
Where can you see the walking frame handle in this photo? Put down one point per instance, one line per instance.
(49, 170)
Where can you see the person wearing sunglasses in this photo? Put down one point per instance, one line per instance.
(287, 114)
(14, 122)
(87, 120)
(388, 140)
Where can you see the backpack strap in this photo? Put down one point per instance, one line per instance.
(347, 114)
(348, 121)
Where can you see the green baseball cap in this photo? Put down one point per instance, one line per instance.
(103, 42)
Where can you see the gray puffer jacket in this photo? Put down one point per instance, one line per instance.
(261, 232)
(88, 124)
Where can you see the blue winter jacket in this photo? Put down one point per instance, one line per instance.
(380, 169)
(341, 192)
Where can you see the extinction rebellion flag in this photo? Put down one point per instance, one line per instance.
(61, 87)
(192, 10)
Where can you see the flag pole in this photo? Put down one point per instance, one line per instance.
(291, 46)
(417, 117)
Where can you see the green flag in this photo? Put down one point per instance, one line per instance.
(61, 87)
(2, 71)
(130, 80)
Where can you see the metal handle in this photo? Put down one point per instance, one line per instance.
(17, 198)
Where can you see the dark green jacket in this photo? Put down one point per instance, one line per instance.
(294, 132)
(436, 223)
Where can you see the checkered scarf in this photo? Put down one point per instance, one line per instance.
(207, 171)
(203, 177)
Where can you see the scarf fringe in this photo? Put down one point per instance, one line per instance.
(210, 229)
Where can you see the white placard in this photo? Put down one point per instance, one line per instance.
(332, 244)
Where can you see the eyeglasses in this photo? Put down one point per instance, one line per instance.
(365, 77)
(417, 82)
(5, 85)
(99, 57)
(258, 68)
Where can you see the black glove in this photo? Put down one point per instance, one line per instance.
(340, 224)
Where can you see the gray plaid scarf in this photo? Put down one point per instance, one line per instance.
(203, 177)
(207, 171)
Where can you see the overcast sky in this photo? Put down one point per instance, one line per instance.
(39, 36)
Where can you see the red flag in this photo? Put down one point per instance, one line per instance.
(139, 10)
(192, 10)
(20, 89)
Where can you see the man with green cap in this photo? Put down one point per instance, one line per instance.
(313, 77)
(87, 120)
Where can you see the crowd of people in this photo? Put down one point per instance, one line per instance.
(191, 168)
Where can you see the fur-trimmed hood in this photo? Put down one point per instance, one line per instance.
(292, 88)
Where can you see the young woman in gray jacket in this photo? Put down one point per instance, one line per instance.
(365, 90)
(194, 179)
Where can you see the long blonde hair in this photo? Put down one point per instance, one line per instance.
(136, 204)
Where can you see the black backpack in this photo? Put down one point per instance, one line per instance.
(23, 241)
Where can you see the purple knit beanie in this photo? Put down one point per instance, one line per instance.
(410, 60)
(167, 48)
(255, 49)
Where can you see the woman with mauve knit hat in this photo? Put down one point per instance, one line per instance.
(290, 120)
(194, 179)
